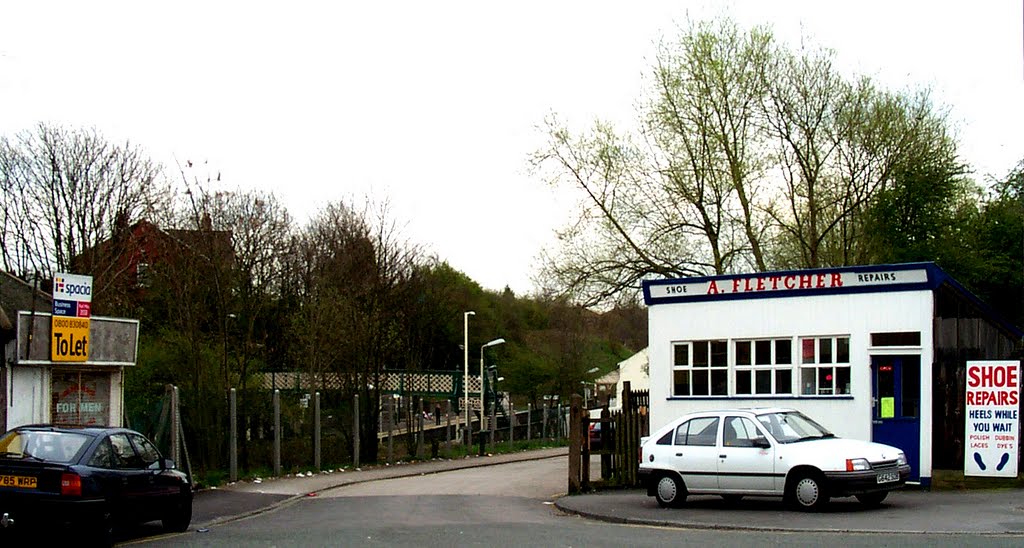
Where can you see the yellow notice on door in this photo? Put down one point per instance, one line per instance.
(888, 408)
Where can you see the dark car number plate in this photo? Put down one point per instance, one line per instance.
(888, 477)
(21, 482)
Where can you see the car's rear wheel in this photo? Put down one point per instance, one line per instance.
(179, 515)
(807, 492)
(670, 491)
(100, 529)
(872, 499)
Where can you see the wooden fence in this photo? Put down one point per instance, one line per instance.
(619, 442)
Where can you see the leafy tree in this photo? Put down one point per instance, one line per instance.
(751, 156)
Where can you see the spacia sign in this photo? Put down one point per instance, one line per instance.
(69, 326)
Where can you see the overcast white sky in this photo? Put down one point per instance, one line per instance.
(434, 106)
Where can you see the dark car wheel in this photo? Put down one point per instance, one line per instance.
(872, 499)
(100, 530)
(179, 515)
(807, 492)
(670, 492)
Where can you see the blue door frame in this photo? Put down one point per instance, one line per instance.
(896, 413)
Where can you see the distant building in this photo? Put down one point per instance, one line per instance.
(632, 370)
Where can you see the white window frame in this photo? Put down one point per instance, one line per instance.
(824, 362)
(693, 371)
(772, 368)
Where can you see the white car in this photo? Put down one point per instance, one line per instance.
(765, 452)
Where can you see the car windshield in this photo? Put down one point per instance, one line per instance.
(792, 426)
(48, 446)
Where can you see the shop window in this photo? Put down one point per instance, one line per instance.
(764, 367)
(907, 338)
(700, 368)
(80, 398)
(824, 366)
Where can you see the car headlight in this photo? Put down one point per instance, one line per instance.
(901, 459)
(855, 465)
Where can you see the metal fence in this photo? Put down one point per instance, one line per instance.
(287, 430)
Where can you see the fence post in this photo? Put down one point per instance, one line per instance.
(277, 433)
(419, 433)
(391, 430)
(355, 431)
(544, 422)
(233, 437)
(561, 423)
(448, 428)
(511, 424)
(575, 416)
(493, 422)
(316, 431)
(529, 421)
(175, 427)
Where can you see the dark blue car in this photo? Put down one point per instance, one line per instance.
(88, 480)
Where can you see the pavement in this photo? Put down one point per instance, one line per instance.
(986, 512)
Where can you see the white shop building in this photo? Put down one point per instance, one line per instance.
(873, 353)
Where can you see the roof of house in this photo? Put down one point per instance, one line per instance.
(17, 294)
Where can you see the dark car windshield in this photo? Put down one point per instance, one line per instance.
(58, 447)
(792, 426)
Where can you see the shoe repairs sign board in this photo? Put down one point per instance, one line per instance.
(993, 424)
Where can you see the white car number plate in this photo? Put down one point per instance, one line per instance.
(888, 477)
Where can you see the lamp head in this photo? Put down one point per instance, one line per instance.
(495, 342)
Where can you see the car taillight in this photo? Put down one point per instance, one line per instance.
(70, 484)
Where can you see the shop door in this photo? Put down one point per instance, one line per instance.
(896, 415)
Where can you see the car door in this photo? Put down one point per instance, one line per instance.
(132, 474)
(742, 466)
(694, 453)
(157, 489)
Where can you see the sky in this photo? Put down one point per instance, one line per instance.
(435, 107)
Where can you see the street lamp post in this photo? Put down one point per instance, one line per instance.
(465, 373)
(495, 342)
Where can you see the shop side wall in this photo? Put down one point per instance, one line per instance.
(856, 315)
(30, 388)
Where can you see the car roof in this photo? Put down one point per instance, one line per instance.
(750, 410)
(76, 429)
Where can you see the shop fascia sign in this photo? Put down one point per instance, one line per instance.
(72, 308)
(781, 283)
(993, 424)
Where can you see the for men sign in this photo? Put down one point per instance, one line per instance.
(69, 328)
(993, 401)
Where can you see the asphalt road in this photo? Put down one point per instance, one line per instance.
(514, 504)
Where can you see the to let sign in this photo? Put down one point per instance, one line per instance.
(993, 402)
(69, 327)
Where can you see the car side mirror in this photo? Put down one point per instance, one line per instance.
(169, 464)
(761, 442)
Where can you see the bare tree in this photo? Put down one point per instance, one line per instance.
(68, 190)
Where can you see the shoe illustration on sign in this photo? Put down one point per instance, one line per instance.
(977, 459)
(1002, 461)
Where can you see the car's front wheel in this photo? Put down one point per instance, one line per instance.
(179, 515)
(670, 491)
(807, 492)
(872, 499)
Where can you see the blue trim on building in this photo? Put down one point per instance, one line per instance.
(805, 397)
